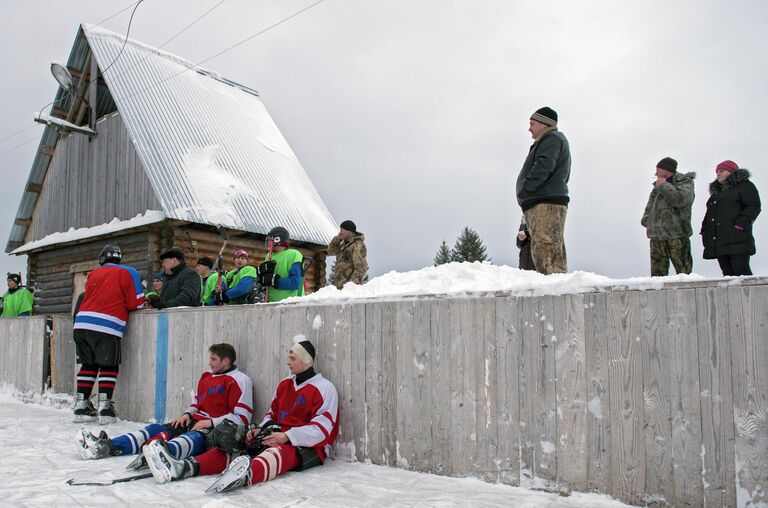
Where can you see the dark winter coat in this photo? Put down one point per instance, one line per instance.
(182, 288)
(546, 171)
(733, 203)
(667, 215)
(526, 259)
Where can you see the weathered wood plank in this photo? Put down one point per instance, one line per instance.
(571, 382)
(657, 364)
(598, 393)
(374, 389)
(440, 393)
(713, 323)
(749, 350)
(405, 403)
(508, 347)
(626, 386)
(482, 348)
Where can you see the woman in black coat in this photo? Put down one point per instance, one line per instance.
(726, 231)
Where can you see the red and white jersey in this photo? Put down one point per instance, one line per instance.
(111, 291)
(307, 413)
(225, 396)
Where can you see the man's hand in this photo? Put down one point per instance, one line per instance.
(275, 438)
(252, 434)
(203, 424)
(660, 180)
(181, 421)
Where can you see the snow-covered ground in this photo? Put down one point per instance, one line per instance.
(39, 456)
(458, 279)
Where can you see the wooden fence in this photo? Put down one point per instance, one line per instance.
(655, 397)
(23, 353)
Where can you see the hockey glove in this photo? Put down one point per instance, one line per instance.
(269, 280)
(154, 301)
(266, 267)
(221, 298)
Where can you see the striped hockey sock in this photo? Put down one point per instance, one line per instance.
(86, 378)
(107, 380)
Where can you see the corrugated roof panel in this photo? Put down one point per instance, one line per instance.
(210, 148)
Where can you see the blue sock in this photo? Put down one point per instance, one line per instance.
(131, 442)
(187, 445)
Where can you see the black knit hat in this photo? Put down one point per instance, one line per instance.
(668, 163)
(205, 261)
(173, 253)
(349, 226)
(545, 115)
(15, 277)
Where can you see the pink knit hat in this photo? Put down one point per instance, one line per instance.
(729, 166)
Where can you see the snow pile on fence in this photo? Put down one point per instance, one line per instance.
(459, 279)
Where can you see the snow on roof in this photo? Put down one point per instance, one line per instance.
(462, 279)
(210, 149)
(148, 217)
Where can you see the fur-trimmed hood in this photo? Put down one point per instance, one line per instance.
(735, 178)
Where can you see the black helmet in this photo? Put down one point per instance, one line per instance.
(110, 254)
(277, 235)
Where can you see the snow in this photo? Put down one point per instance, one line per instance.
(37, 463)
(58, 122)
(142, 219)
(317, 323)
(462, 279)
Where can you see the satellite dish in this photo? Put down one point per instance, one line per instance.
(62, 75)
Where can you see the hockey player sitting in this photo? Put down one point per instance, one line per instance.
(296, 433)
(224, 397)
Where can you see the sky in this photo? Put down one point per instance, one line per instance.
(411, 117)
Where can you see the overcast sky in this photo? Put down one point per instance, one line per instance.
(411, 116)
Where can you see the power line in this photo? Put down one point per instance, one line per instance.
(225, 50)
(9, 136)
(130, 22)
(206, 13)
(14, 147)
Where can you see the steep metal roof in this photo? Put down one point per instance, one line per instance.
(208, 145)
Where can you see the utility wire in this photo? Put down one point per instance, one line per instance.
(9, 136)
(206, 13)
(118, 13)
(196, 65)
(14, 147)
(130, 22)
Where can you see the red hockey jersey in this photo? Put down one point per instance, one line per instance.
(111, 291)
(307, 413)
(226, 396)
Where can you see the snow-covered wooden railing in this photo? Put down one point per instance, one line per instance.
(657, 396)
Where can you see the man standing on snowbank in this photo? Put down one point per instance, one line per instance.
(667, 219)
(542, 191)
(351, 255)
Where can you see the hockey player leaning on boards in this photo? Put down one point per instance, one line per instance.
(282, 272)
(224, 398)
(295, 434)
(111, 292)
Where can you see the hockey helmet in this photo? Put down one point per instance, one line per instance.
(110, 254)
(277, 235)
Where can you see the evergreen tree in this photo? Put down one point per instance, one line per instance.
(469, 247)
(332, 275)
(443, 254)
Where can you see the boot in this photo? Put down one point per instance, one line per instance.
(83, 410)
(107, 412)
(238, 474)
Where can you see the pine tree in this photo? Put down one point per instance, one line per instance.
(443, 254)
(332, 275)
(469, 247)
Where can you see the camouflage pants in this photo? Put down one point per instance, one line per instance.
(677, 250)
(546, 225)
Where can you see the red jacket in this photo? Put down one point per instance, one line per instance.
(225, 396)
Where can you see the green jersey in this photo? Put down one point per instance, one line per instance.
(209, 287)
(17, 302)
(284, 260)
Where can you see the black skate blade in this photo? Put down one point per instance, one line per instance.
(107, 481)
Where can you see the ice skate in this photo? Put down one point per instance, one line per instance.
(164, 467)
(107, 412)
(238, 474)
(83, 411)
(92, 447)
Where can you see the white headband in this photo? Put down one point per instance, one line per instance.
(302, 353)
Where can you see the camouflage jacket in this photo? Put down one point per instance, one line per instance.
(668, 212)
(351, 259)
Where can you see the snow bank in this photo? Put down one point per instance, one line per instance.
(458, 279)
(148, 217)
(38, 461)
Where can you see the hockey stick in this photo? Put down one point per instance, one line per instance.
(140, 476)
(219, 259)
(269, 258)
